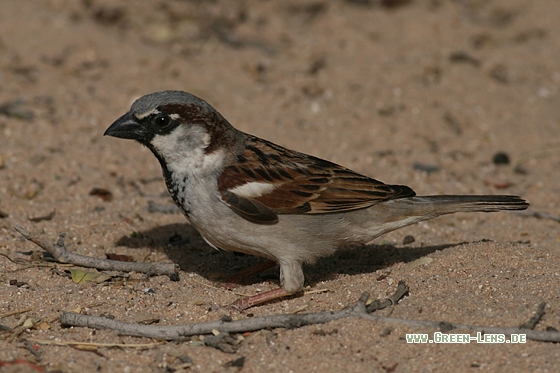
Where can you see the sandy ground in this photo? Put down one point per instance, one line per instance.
(422, 93)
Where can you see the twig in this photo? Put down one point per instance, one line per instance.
(534, 320)
(10, 259)
(402, 290)
(61, 255)
(225, 325)
(317, 291)
(33, 351)
(26, 264)
(535, 335)
(91, 344)
(16, 312)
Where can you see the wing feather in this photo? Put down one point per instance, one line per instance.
(303, 184)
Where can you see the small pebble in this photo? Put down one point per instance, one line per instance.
(464, 57)
(386, 331)
(500, 158)
(408, 240)
(500, 73)
(383, 275)
(239, 362)
(186, 359)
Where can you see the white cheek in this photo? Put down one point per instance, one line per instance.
(253, 189)
(183, 150)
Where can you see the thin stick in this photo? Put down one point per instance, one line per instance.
(16, 312)
(60, 254)
(534, 320)
(91, 344)
(402, 290)
(182, 331)
(225, 325)
(535, 335)
(291, 321)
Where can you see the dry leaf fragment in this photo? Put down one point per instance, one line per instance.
(43, 325)
(83, 277)
(420, 262)
(30, 322)
(198, 302)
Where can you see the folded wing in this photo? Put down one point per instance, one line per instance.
(268, 180)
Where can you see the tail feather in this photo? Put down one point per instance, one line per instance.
(394, 214)
(447, 204)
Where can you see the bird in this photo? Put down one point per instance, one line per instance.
(249, 195)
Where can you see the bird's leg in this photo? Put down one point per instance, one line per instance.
(233, 281)
(291, 278)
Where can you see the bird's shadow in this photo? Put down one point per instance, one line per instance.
(184, 246)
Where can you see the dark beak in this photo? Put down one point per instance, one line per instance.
(126, 127)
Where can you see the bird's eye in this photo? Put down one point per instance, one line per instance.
(162, 120)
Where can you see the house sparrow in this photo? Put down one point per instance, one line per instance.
(246, 194)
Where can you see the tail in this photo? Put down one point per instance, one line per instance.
(484, 203)
(398, 213)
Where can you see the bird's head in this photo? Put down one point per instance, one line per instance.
(177, 127)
